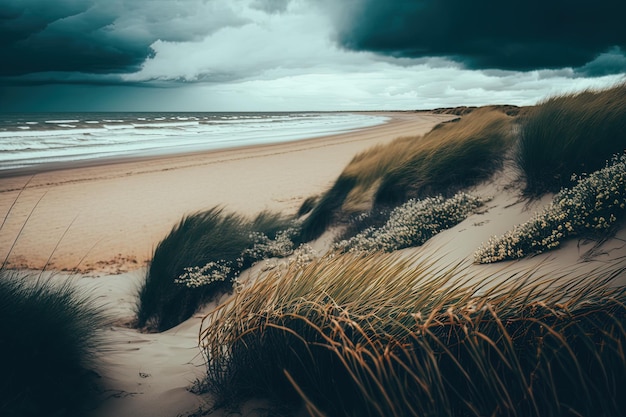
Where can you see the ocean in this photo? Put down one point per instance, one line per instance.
(33, 140)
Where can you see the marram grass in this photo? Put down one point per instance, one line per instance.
(374, 336)
(570, 134)
(176, 282)
(449, 158)
(50, 336)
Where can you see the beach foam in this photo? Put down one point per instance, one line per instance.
(26, 142)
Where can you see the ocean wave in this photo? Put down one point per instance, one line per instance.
(92, 136)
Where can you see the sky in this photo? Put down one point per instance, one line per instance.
(294, 55)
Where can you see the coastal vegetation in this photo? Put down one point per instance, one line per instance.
(413, 223)
(395, 196)
(200, 259)
(592, 208)
(405, 336)
(51, 336)
(399, 338)
(570, 134)
(451, 157)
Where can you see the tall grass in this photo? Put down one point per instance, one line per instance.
(49, 339)
(371, 336)
(570, 134)
(449, 158)
(452, 157)
(201, 238)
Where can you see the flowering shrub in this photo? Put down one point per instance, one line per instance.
(196, 276)
(591, 207)
(262, 248)
(413, 223)
(300, 257)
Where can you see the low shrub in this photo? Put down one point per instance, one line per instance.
(591, 208)
(49, 340)
(200, 259)
(413, 223)
(568, 134)
(371, 336)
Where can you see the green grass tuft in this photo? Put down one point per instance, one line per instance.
(50, 336)
(570, 134)
(199, 239)
(326, 210)
(307, 205)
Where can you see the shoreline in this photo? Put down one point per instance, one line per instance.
(171, 152)
(107, 218)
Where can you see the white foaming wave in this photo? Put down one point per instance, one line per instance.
(45, 133)
(61, 121)
(166, 124)
(168, 137)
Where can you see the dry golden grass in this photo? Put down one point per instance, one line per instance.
(374, 336)
(449, 158)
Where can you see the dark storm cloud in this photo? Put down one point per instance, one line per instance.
(98, 36)
(491, 34)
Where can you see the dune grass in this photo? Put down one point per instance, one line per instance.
(570, 134)
(213, 238)
(372, 336)
(50, 337)
(451, 157)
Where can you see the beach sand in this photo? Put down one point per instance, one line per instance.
(108, 218)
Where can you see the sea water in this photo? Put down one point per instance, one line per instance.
(33, 140)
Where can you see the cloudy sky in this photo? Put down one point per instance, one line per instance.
(246, 55)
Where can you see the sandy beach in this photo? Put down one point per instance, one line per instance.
(108, 218)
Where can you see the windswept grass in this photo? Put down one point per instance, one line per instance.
(49, 339)
(371, 336)
(451, 157)
(570, 134)
(213, 238)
